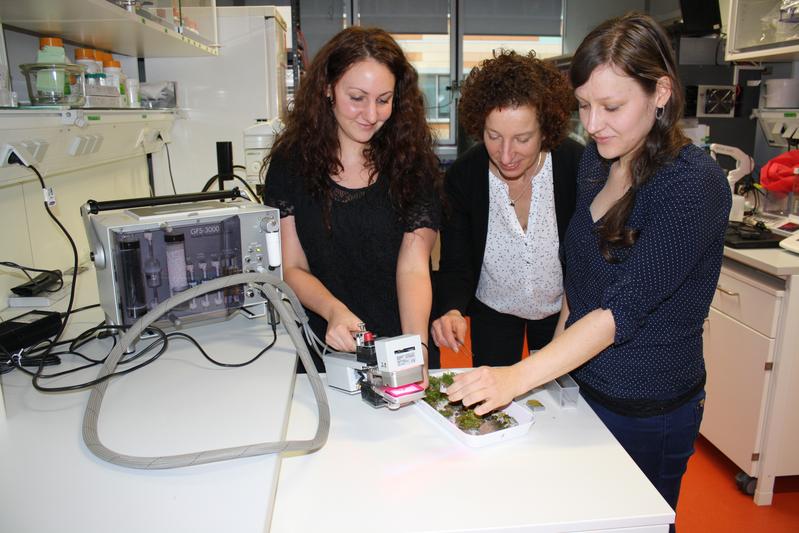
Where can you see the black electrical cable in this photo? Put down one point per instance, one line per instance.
(15, 159)
(12, 361)
(169, 164)
(180, 335)
(90, 335)
(254, 197)
(25, 270)
(52, 357)
(42, 345)
(84, 308)
(97, 332)
(162, 340)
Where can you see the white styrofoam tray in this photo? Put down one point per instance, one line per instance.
(523, 416)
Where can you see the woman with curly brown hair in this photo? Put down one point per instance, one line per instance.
(354, 176)
(510, 199)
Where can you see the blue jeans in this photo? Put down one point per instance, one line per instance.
(660, 445)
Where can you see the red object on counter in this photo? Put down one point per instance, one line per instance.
(778, 174)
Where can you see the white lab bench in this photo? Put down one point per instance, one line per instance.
(399, 472)
(181, 403)
(380, 470)
(752, 358)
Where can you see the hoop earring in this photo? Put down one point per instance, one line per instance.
(659, 112)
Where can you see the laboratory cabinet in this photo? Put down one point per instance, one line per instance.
(752, 359)
(756, 33)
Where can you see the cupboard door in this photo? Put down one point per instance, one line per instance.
(737, 388)
(745, 302)
(755, 33)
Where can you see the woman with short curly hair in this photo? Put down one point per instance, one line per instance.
(510, 199)
(355, 178)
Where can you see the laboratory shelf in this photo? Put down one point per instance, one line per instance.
(103, 25)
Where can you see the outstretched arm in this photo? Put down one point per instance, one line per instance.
(496, 387)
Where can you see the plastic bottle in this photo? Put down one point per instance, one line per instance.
(85, 56)
(113, 75)
(51, 50)
(99, 57)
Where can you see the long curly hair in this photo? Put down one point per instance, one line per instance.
(636, 45)
(401, 150)
(510, 79)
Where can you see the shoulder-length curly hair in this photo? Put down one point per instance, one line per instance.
(511, 79)
(401, 150)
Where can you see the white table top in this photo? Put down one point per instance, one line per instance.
(774, 261)
(379, 471)
(398, 472)
(180, 403)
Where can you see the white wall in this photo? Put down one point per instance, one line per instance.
(219, 97)
(31, 238)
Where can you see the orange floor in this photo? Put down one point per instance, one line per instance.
(710, 502)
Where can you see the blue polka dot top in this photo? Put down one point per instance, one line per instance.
(660, 290)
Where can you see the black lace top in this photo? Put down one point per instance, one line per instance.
(357, 260)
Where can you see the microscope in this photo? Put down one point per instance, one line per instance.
(386, 371)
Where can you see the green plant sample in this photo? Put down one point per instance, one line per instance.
(468, 420)
(463, 417)
(447, 378)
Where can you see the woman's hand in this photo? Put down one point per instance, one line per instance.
(449, 330)
(494, 387)
(342, 324)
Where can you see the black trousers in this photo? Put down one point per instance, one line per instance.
(498, 338)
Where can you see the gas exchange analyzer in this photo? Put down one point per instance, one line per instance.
(148, 249)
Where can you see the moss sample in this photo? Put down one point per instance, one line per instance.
(463, 417)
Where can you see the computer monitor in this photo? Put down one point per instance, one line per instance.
(700, 17)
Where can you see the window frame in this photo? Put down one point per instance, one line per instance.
(351, 11)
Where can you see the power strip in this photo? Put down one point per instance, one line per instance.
(28, 329)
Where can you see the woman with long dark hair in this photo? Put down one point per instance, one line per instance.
(355, 178)
(642, 257)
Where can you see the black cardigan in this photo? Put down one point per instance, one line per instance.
(465, 224)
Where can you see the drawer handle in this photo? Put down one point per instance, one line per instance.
(728, 292)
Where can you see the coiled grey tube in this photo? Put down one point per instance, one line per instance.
(270, 286)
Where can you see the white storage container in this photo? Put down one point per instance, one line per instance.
(524, 418)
